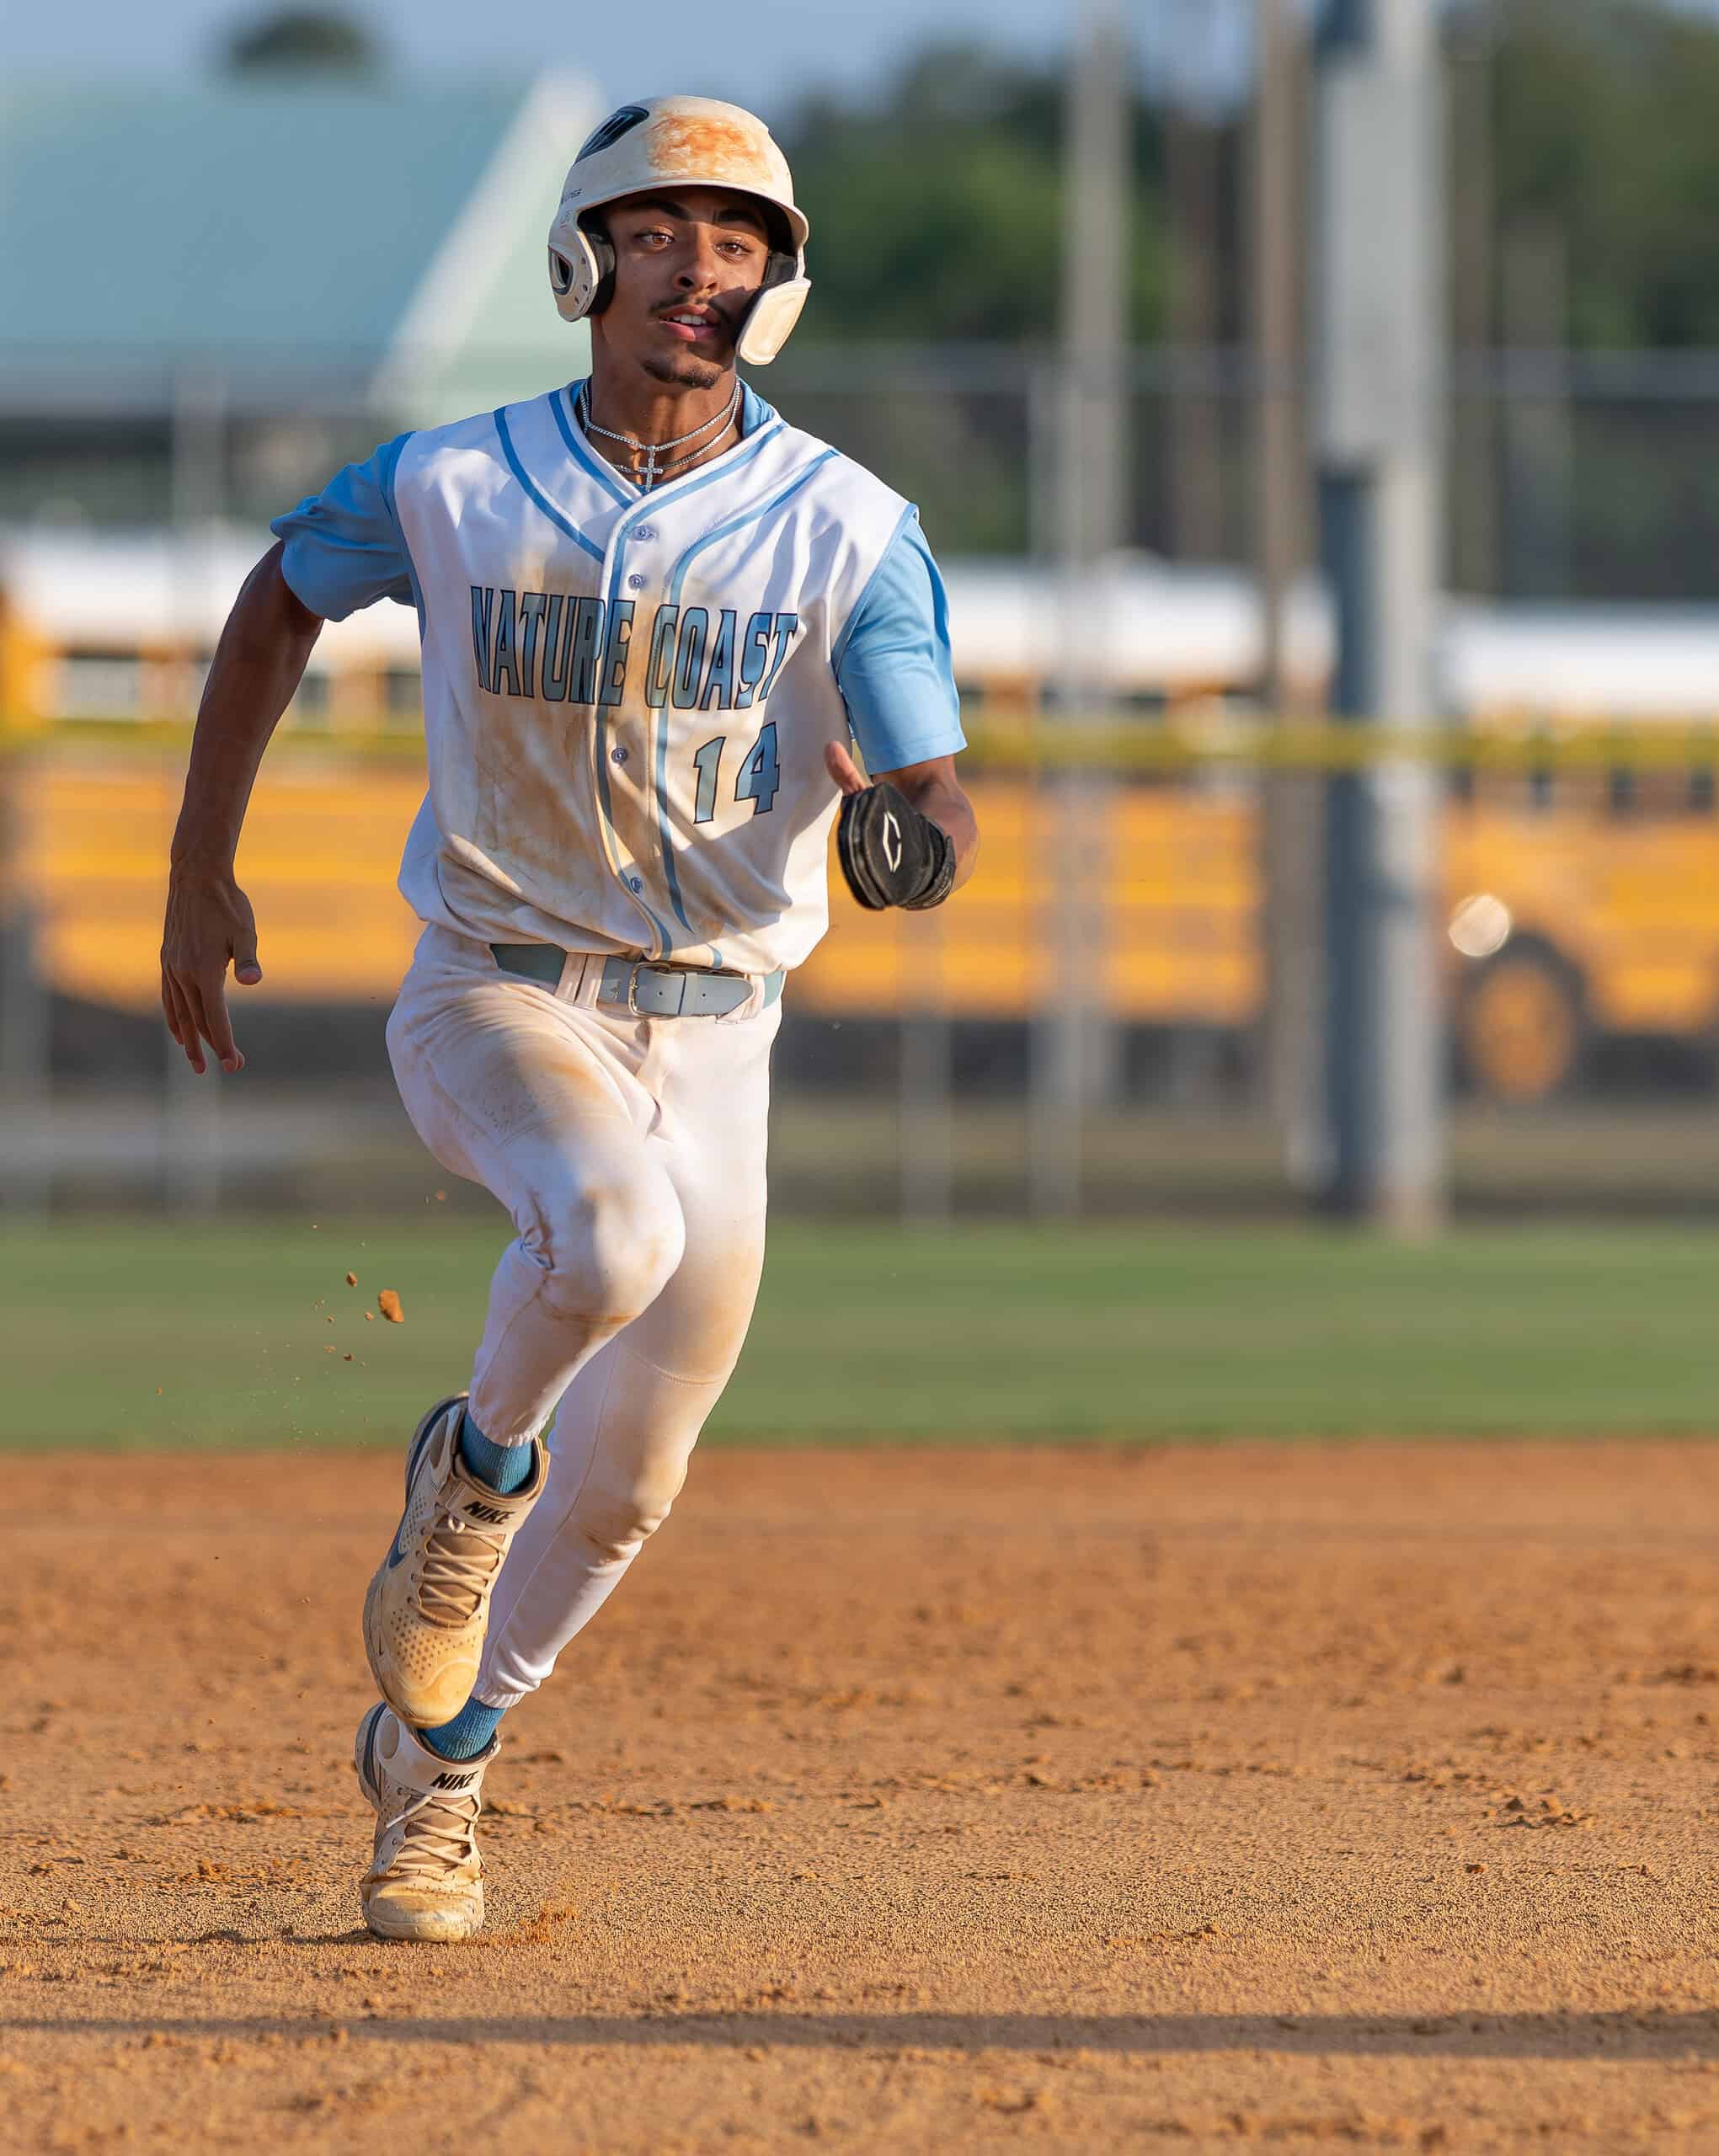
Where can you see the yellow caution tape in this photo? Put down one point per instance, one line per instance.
(1143, 748)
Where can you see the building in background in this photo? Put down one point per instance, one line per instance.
(214, 260)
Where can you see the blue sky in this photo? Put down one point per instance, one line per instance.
(759, 51)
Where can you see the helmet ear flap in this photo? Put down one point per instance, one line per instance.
(581, 268)
(769, 320)
(767, 323)
(601, 250)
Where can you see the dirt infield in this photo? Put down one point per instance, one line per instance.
(906, 1801)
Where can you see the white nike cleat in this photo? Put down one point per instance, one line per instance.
(426, 1878)
(428, 1607)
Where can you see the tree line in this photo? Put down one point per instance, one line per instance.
(937, 203)
(937, 200)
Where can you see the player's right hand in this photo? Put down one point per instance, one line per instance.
(208, 923)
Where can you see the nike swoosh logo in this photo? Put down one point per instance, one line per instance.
(397, 1555)
(376, 1715)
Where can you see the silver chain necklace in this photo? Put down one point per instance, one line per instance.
(654, 468)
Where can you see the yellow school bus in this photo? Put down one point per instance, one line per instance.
(1581, 904)
(1574, 905)
(1579, 900)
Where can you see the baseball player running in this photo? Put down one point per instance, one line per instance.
(651, 615)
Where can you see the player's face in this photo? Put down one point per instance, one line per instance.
(686, 265)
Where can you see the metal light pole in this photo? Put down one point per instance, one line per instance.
(1073, 1046)
(1193, 183)
(1292, 804)
(1275, 190)
(1379, 345)
(1472, 257)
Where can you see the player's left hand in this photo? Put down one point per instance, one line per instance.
(890, 854)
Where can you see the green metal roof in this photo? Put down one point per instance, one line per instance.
(230, 218)
(288, 228)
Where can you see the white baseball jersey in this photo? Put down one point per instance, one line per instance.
(628, 695)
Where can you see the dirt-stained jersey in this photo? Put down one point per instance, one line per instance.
(626, 695)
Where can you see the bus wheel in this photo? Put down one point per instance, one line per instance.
(1519, 1025)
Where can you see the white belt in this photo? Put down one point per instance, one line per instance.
(637, 985)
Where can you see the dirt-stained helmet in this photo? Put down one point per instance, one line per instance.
(659, 143)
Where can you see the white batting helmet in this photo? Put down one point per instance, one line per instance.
(693, 143)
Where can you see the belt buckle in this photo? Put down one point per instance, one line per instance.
(647, 966)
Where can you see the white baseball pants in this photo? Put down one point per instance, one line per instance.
(630, 1153)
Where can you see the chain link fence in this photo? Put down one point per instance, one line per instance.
(1578, 937)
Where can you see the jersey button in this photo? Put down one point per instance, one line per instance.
(635, 582)
(645, 531)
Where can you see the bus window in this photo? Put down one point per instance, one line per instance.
(310, 700)
(101, 685)
(402, 692)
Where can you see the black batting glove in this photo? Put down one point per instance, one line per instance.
(890, 854)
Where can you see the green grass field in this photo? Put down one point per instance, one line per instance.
(128, 1332)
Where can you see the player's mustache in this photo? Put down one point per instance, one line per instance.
(715, 305)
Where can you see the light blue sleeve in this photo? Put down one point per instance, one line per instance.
(343, 548)
(892, 660)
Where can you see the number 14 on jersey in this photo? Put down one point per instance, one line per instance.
(757, 780)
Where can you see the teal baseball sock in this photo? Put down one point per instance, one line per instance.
(501, 1468)
(467, 1735)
